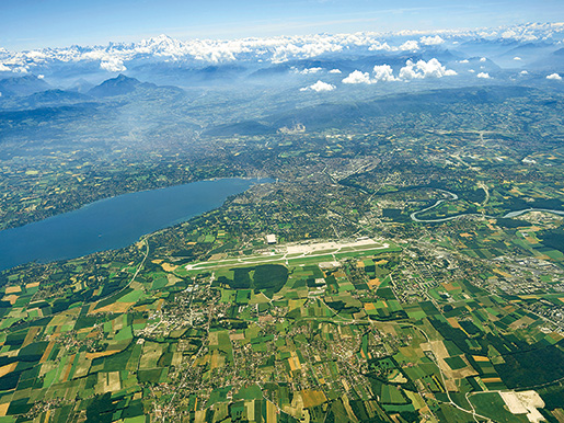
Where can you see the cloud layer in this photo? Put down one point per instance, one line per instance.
(420, 70)
(116, 57)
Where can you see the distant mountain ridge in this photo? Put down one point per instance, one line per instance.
(22, 85)
(118, 86)
(328, 115)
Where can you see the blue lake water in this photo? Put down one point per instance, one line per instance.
(115, 222)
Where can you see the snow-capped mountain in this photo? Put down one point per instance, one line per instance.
(118, 57)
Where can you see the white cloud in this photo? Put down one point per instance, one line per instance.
(409, 45)
(288, 49)
(483, 59)
(422, 69)
(431, 41)
(484, 75)
(419, 70)
(112, 64)
(377, 46)
(523, 72)
(357, 77)
(384, 73)
(554, 76)
(409, 72)
(309, 71)
(40, 76)
(464, 61)
(319, 86)
(517, 58)
(4, 68)
(335, 71)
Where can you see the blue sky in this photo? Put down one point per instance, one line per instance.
(27, 24)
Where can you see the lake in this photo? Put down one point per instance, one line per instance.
(114, 222)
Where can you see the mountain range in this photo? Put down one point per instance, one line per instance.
(203, 59)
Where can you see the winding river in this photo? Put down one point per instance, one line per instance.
(516, 213)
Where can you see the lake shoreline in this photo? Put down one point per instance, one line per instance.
(115, 222)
